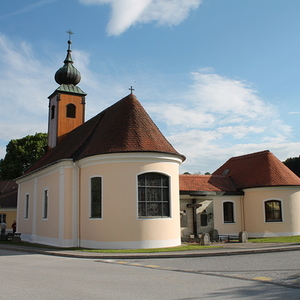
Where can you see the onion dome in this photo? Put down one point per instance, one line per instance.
(68, 74)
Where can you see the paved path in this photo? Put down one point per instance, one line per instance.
(224, 250)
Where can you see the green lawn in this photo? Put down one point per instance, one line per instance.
(184, 247)
(171, 249)
(284, 239)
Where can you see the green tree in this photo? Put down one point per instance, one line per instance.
(293, 163)
(22, 153)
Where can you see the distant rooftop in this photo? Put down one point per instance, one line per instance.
(258, 169)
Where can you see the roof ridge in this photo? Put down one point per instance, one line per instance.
(250, 155)
(6, 184)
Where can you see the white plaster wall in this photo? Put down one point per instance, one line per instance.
(56, 229)
(228, 228)
(255, 223)
(120, 226)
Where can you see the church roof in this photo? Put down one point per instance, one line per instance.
(122, 127)
(260, 169)
(205, 183)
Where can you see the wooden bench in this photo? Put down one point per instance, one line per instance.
(229, 238)
(242, 237)
(13, 237)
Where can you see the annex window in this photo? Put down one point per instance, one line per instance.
(96, 197)
(26, 215)
(71, 111)
(228, 212)
(153, 195)
(2, 218)
(45, 204)
(273, 211)
(52, 112)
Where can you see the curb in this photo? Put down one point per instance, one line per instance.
(194, 254)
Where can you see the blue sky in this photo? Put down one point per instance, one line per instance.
(219, 78)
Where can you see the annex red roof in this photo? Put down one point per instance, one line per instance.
(258, 169)
(205, 183)
(122, 127)
(8, 193)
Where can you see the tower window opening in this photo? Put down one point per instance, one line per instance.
(71, 111)
(52, 112)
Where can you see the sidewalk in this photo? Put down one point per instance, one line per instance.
(225, 250)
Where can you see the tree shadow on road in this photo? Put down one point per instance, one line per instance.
(258, 291)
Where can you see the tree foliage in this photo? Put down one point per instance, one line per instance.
(293, 163)
(22, 153)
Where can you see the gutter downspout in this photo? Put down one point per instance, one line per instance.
(76, 204)
(243, 213)
(79, 206)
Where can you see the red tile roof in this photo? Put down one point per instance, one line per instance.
(207, 183)
(122, 127)
(258, 169)
(8, 193)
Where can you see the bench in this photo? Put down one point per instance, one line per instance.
(242, 237)
(228, 238)
(13, 237)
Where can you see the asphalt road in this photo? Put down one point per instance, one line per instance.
(256, 276)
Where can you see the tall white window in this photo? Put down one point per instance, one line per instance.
(45, 204)
(228, 212)
(26, 215)
(153, 195)
(96, 198)
(273, 211)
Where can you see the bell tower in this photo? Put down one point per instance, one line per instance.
(67, 102)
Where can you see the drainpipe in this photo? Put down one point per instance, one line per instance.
(76, 204)
(79, 206)
(243, 214)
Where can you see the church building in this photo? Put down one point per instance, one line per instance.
(110, 182)
(113, 182)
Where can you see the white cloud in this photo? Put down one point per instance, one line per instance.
(28, 8)
(210, 121)
(182, 115)
(220, 117)
(294, 112)
(228, 97)
(126, 13)
(239, 132)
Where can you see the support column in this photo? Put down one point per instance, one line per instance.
(194, 205)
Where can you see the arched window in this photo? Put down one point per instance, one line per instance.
(52, 112)
(96, 197)
(153, 195)
(273, 211)
(228, 212)
(71, 111)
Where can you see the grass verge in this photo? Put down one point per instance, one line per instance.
(185, 247)
(154, 250)
(282, 239)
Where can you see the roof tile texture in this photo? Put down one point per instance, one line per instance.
(8, 193)
(122, 127)
(260, 169)
(208, 183)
